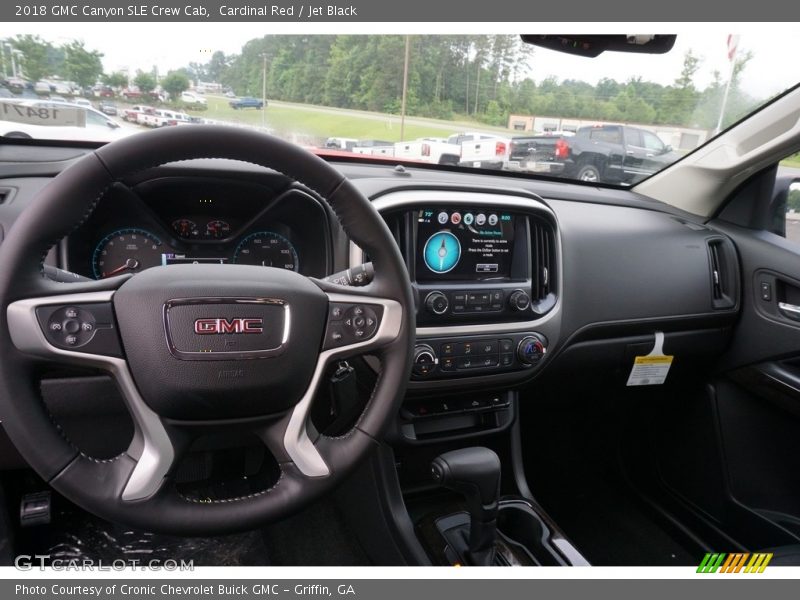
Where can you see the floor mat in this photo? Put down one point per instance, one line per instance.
(316, 536)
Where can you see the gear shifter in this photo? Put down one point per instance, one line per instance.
(475, 473)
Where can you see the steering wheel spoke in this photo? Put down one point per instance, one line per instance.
(358, 323)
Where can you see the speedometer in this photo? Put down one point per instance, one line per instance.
(267, 249)
(125, 251)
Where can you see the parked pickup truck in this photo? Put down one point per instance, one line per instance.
(482, 150)
(433, 150)
(609, 154)
(247, 102)
(132, 114)
(543, 153)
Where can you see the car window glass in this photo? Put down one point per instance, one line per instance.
(652, 142)
(632, 137)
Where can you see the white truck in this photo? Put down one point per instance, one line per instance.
(431, 150)
(482, 150)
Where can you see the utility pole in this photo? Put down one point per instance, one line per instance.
(405, 91)
(264, 92)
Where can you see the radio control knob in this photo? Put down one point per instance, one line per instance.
(530, 350)
(424, 360)
(437, 303)
(519, 300)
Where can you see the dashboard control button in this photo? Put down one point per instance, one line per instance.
(476, 299)
(447, 349)
(464, 348)
(465, 362)
(437, 303)
(487, 361)
(519, 300)
(496, 296)
(459, 297)
(424, 360)
(506, 345)
(448, 364)
(487, 347)
(530, 350)
(506, 359)
(71, 313)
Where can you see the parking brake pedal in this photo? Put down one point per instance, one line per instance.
(34, 509)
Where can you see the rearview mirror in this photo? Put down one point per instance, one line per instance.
(594, 45)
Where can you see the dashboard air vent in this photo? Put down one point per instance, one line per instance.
(724, 279)
(544, 274)
(5, 194)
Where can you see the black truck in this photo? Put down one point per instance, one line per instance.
(602, 153)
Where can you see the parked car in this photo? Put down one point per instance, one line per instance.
(193, 98)
(247, 102)
(82, 102)
(482, 150)
(95, 126)
(338, 143)
(107, 107)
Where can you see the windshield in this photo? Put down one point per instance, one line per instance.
(471, 101)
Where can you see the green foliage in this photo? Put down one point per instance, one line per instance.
(175, 83)
(82, 66)
(145, 82)
(115, 80)
(39, 59)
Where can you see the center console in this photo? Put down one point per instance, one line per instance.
(484, 267)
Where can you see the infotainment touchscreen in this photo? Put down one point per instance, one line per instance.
(458, 244)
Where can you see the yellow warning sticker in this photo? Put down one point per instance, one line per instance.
(650, 370)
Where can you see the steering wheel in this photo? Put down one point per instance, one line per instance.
(198, 348)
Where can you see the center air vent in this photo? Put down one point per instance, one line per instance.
(544, 272)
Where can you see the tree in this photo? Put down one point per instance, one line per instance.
(216, 66)
(116, 80)
(36, 56)
(82, 66)
(144, 81)
(175, 84)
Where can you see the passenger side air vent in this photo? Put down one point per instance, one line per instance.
(543, 286)
(5, 194)
(724, 273)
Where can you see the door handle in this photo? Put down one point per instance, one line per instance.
(791, 311)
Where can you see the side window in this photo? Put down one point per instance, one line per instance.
(652, 142)
(606, 134)
(95, 120)
(793, 213)
(632, 138)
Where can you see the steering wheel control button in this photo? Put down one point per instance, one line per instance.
(351, 323)
(85, 328)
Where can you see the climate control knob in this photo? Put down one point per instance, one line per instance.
(437, 303)
(425, 360)
(519, 300)
(530, 350)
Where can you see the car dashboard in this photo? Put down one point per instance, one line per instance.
(516, 279)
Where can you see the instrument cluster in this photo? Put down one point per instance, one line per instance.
(180, 220)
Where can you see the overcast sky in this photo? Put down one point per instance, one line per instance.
(172, 45)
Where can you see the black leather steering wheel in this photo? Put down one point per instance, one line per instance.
(197, 347)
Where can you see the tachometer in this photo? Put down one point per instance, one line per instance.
(125, 251)
(217, 229)
(267, 249)
(186, 228)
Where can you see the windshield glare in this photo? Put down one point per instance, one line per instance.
(472, 101)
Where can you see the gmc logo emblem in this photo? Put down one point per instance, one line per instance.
(217, 326)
